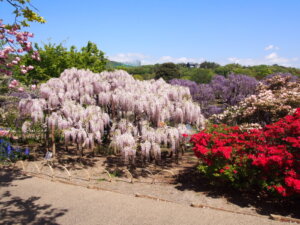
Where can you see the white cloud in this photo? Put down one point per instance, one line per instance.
(270, 59)
(272, 56)
(127, 57)
(164, 59)
(145, 60)
(243, 61)
(271, 47)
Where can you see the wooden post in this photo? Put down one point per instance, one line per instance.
(82, 149)
(47, 138)
(53, 141)
(94, 150)
(77, 149)
(66, 147)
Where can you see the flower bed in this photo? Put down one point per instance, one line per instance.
(266, 158)
(7, 151)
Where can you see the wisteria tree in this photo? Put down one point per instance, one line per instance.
(221, 92)
(131, 115)
(233, 89)
(277, 96)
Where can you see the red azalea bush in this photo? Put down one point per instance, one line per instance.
(267, 158)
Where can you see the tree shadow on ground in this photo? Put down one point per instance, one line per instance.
(8, 175)
(114, 163)
(191, 179)
(70, 157)
(15, 210)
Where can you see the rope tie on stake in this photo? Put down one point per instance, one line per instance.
(69, 174)
(108, 174)
(131, 177)
(36, 166)
(152, 176)
(168, 171)
(52, 171)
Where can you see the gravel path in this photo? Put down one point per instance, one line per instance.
(31, 200)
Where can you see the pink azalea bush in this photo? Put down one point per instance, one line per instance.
(277, 97)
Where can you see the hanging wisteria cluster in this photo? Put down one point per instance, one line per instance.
(135, 116)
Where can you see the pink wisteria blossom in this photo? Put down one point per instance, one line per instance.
(20, 89)
(134, 114)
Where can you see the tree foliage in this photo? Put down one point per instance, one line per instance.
(209, 65)
(24, 12)
(207, 70)
(56, 58)
(167, 71)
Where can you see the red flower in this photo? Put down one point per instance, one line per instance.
(270, 154)
(281, 190)
(293, 183)
(202, 150)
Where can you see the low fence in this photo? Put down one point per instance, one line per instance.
(80, 173)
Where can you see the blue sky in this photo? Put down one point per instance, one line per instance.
(243, 31)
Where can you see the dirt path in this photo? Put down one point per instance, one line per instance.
(31, 200)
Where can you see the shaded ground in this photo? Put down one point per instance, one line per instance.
(19, 208)
(39, 201)
(8, 176)
(191, 180)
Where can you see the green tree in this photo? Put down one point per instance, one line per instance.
(90, 57)
(186, 72)
(138, 77)
(262, 70)
(202, 75)
(209, 65)
(167, 71)
(56, 58)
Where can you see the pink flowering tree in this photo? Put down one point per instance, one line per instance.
(14, 41)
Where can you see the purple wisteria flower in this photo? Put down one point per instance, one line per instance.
(27, 151)
(221, 92)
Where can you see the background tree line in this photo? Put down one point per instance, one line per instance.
(55, 58)
(205, 71)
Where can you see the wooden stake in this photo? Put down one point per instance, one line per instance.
(77, 149)
(53, 141)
